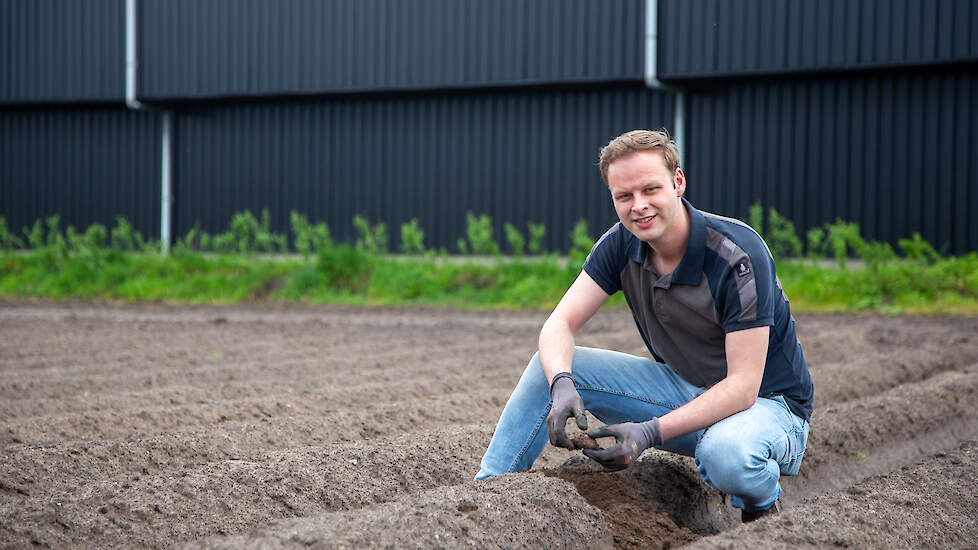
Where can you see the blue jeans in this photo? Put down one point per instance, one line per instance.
(742, 455)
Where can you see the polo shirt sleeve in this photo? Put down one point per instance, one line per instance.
(748, 289)
(607, 260)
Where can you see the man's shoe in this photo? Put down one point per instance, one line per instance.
(747, 517)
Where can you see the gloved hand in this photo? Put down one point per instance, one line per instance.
(566, 402)
(632, 439)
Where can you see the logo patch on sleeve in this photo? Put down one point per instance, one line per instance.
(743, 269)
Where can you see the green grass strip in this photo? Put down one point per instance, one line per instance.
(946, 286)
(342, 274)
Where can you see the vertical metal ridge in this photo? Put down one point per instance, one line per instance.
(107, 167)
(372, 46)
(60, 52)
(434, 158)
(867, 129)
(832, 34)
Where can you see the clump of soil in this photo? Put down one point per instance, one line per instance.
(584, 441)
(634, 521)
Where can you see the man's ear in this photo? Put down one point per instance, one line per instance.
(679, 182)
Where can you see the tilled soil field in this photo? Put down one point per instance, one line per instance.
(270, 426)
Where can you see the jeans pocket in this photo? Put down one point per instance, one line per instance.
(797, 444)
(796, 439)
(780, 399)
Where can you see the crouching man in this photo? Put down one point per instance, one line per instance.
(727, 383)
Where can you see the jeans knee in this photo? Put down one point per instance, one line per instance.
(728, 463)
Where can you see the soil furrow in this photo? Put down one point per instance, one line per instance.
(233, 495)
(291, 315)
(508, 512)
(430, 376)
(67, 464)
(867, 377)
(930, 504)
(115, 374)
(880, 433)
(148, 410)
(840, 339)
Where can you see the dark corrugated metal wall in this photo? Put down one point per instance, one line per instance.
(57, 51)
(193, 49)
(816, 148)
(87, 165)
(710, 38)
(895, 153)
(518, 157)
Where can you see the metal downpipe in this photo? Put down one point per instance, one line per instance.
(166, 164)
(166, 124)
(652, 79)
(679, 127)
(132, 61)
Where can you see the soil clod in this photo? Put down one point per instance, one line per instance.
(584, 441)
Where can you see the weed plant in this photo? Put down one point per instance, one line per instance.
(537, 232)
(581, 243)
(243, 263)
(412, 237)
(479, 236)
(370, 239)
(515, 239)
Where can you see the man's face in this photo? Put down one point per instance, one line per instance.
(646, 195)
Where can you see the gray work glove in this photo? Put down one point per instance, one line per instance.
(566, 403)
(632, 439)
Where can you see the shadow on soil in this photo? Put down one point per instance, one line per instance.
(659, 502)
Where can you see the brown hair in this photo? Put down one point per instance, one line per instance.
(640, 140)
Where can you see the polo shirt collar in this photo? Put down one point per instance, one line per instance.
(691, 266)
(636, 250)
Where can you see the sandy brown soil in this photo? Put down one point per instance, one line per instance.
(284, 427)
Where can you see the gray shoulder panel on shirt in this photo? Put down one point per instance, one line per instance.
(740, 262)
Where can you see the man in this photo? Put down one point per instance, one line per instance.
(728, 385)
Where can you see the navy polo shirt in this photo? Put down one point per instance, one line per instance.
(725, 282)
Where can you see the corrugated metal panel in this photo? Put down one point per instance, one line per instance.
(85, 165)
(516, 157)
(710, 38)
(894, 153)
(56, 51)
(193, 49)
